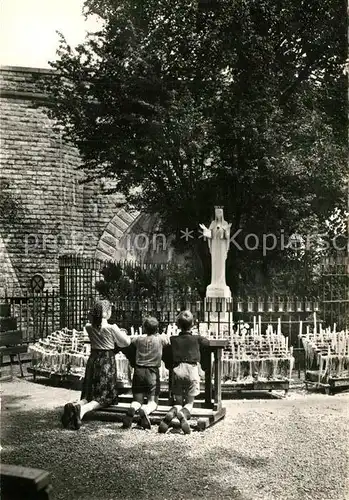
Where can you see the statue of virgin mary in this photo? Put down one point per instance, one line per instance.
(218, 235)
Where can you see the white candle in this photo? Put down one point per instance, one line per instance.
(291, 355)
(315, 323)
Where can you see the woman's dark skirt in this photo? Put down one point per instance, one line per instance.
(100, 382)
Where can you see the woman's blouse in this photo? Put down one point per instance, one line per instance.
(107, 336)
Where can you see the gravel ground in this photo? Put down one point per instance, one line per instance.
(291, 449)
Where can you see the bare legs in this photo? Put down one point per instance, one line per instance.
(144, 410)
(88, 406)
(137, 402)
(150, 406)
(74, 413)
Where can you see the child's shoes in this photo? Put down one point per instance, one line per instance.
(76, 413)
(128, 418)
(165, 423)
(67, 417)
(145, 420)
(183, 417)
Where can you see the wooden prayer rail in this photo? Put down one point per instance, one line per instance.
(204, 415)
(214, 400)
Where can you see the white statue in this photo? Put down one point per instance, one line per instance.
(218, 235)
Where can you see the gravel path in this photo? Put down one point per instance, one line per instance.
(291, 449)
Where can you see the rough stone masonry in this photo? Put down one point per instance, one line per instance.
(46, 212)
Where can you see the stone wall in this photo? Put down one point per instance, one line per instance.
(54, 213)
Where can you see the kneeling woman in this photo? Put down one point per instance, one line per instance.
(100, 383)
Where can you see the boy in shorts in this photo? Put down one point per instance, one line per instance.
(146, 376)
(185, 359)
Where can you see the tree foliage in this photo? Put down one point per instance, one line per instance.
(187, 104)
(151, 282)
(132, 281)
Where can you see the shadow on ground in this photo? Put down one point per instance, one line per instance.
(250, 395)
(10, 402)
(102, 461)
(55, 382)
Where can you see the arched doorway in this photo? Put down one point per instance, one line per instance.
(134, 236)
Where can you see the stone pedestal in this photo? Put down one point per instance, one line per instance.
(214, 292)
(218, 300)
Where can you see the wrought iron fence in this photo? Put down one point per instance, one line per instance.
(78, 278)
(37, 314)
(40, 314)
(334, 284)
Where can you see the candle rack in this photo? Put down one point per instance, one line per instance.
(327, 357)
(251, 359)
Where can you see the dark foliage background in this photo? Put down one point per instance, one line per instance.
(184, 105)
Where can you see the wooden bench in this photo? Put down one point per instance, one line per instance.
(11, 344)
(24, 483)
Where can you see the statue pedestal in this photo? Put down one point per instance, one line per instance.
(218, 312)
(215, 292)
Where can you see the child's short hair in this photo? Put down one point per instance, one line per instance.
(185, 320)
(150, 325)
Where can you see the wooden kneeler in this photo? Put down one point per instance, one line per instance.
(207, 409)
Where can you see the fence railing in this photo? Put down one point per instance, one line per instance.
(334, 286)
(78, 277)
(41, 313)
(37, 315)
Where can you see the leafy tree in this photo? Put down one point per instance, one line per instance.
(122, 280)
(159, 283)
(188, 104)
